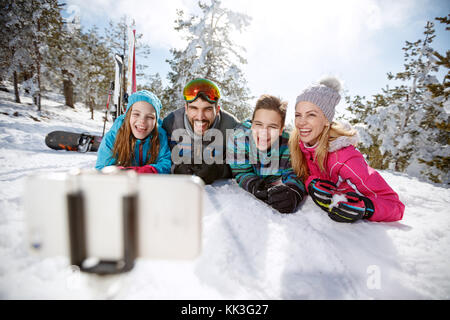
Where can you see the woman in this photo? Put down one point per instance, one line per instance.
(136, 141)
(336, 174)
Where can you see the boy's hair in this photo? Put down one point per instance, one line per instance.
(269, 102)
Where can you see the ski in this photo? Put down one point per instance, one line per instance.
(115, 108)
(131, 76)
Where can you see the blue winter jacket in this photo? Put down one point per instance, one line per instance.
(105, 155)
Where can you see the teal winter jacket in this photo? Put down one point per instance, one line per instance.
(105, 155)
(246, 169)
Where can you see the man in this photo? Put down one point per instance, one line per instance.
(197, 133)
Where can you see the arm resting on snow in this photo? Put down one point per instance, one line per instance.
(368, 182)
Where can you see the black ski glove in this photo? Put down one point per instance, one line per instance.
(355, 208)
(321, 191)
(284, 198)
(209, 172)
(183, 168)
(258, 188)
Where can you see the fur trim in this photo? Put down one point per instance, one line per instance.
(343, 141)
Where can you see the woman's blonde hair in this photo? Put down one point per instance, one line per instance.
(329, 134)
(125, 143)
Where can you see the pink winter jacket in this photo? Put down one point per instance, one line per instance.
(347, 168)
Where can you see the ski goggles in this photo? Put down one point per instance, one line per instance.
(207, 87)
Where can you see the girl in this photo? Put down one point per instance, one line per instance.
(261, 157)
(136, 141)
(336, 175)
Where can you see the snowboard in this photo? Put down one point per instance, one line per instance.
(72, 141)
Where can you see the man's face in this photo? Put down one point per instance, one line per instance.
(201, 115)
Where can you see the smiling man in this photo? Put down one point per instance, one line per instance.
(197, 133)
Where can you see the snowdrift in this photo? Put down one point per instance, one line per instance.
(249, 250)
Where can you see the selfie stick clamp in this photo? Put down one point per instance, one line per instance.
(77, 235)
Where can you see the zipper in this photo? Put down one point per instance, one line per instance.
(140, 155)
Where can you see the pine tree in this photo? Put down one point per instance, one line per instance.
(7, 34)
(154, 85)
(30, 24)
(406, 128)
(61, 62)
(211, 54)
(96, 69)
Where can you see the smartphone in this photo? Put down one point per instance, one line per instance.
(166, 215)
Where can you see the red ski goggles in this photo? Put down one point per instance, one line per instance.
(196, 86)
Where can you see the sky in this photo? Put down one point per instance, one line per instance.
(291, 44)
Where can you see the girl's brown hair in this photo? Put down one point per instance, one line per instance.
(329, 134)
(125, 142)
(269, 102)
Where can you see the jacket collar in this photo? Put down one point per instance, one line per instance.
(335, 145)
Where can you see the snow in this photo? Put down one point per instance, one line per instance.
(336, 199)
(249, 250)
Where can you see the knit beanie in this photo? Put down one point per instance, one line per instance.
(325, 95)
(146, 96)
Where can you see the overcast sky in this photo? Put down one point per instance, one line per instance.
(291, 43)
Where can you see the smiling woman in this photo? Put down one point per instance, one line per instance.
(323, 154)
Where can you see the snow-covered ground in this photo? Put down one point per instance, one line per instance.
(249, 250)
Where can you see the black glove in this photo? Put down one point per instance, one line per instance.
(284, 198)
(209, 172)
(259, 188)
(355, 207)
(183, 169)
(321, 191)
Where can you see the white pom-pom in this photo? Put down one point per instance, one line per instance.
(331, 82)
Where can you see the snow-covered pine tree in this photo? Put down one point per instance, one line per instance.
(154, 85)
(61, 63)
(7, 34)
(406, 128)
(31, 23)
(212, 54)
(437, 117)
(96, 69)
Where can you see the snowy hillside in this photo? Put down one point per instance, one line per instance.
(249, 250)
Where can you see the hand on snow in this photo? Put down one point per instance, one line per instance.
(209, 172)
(284, 198)
(143, 169)
(183, 169)
(259, 188)
(353, 208)
(321, 191)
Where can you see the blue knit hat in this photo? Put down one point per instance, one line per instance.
(146, 96)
